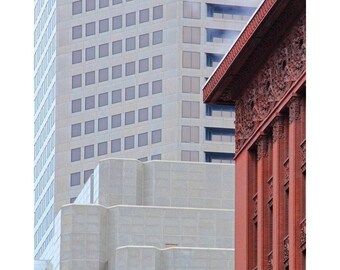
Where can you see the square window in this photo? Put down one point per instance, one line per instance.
(103, 74)
(130, 68)
(76, 81)
(76, 57)
(142, 139)
(90, 29)
(90, 5)
(157, 12)
(77, 32)
(143, 90)
(156, 111)
(75, 154)
(103, 99)
(116, 96)
(191, 84)
(103, 25)
(115, 2)
(130, 18)
(89, 102)
(144, 15)
(129, 93)
(143, 115)
(116, 71)
(130, 44)
(191, 10)
(90, 53)
(190, 109)
(143, 65)
(117, 22)
(103, 3)
(102, 148)
(87, 174)
(103, 50)
(90, 78)
(157, 87)
(156, 157)
(102, 123)
(72, 200)
(156, 136)
(76, 130)
(129, 142)
(189, 155)
(76, 7)
(117, 47)
(89, 151)
(115, 145)
(157, 62)
(191, 35)
(130, 118)
(190, 134)
(143, 40)
(116, 120)
(76, 105)
(157, 37)
(75, 179)
(89, 127)
(191, 60)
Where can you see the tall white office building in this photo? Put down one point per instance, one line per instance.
(123, 78)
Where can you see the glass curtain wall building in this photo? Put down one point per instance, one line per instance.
(123, 78)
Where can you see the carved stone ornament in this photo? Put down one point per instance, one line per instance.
(278, 128)
(303, 154)
(294, 105)
(286, 249)
(286, 171)
(273, 80)
(303, 234)
(270, 261)
(262, 147)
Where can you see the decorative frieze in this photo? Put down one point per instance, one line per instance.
(270, 84)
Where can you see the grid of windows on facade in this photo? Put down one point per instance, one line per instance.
(229, 12)
(221, 35)
(117, 71)
(220, 111)
(116, 47)
(116, 120)
(219, 134)
(215, 157)
(128, 19)
(113, 146)
(116, 96)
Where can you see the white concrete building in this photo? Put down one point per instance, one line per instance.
(122, 78)
(152, 215)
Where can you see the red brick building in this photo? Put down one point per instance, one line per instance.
(264, 76)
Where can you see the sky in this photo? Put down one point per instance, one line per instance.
(16, 136)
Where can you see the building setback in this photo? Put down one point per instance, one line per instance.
(264, 75)
(123, 79)
(147, 215)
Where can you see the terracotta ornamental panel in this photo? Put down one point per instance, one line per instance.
(271, 82)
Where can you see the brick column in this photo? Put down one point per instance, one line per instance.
(294, 180)
(278, 192)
